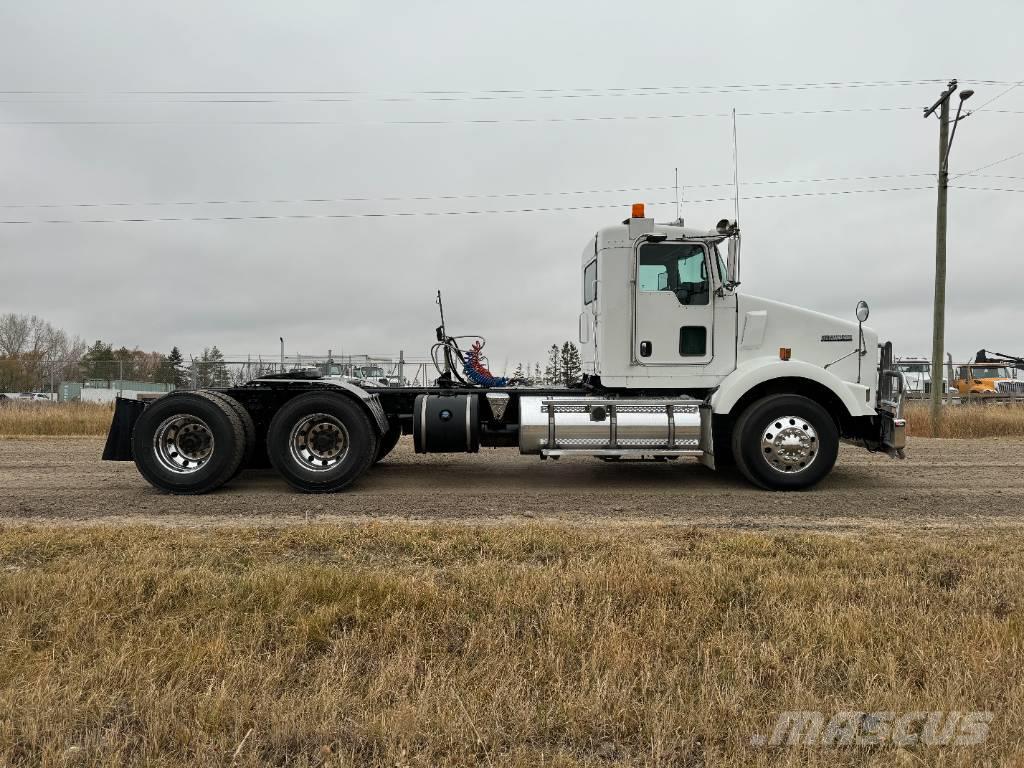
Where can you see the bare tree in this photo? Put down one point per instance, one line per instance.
(34, 353)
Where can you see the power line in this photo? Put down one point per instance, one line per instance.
(988, 189)
(499, 93)
(404, 214)
(476, 121)
(990, 165)
(468, 196)
(997, 96)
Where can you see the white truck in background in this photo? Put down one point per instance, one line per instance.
(917, 376)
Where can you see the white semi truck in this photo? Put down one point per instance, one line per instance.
(676, 363)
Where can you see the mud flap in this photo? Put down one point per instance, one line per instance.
(119, 439)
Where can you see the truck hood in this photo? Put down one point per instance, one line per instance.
(765, 325)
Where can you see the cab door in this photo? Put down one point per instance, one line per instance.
(674, 304)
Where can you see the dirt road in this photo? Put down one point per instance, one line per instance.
(945, 484)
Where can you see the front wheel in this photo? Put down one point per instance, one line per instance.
(785, 442)
(321, 442)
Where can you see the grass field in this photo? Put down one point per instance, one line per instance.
(408, 645)
(966, 421)
(55, 419)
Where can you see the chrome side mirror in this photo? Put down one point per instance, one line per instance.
(863, 311)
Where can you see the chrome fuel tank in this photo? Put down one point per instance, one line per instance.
(601, 425)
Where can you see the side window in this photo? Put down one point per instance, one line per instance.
(677, 267)
(590, 283)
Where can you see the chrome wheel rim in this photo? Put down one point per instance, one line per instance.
(319, 442)
(789, 444)
(183, 443)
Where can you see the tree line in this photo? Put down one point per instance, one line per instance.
(563, 367)
(35, 355)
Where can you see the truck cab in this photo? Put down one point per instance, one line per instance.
(662, 312)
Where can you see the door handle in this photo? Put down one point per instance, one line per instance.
(645, 349)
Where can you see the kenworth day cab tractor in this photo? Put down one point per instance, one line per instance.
(676, 362)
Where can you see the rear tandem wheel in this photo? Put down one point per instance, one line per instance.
(188, 442)
(321, 442)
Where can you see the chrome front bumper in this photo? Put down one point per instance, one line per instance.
(892, 427)
(893, 434)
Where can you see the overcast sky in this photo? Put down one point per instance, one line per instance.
(367, 284)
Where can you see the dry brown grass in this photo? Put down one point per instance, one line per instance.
(406, 645)
(55, 419)
(967, 421)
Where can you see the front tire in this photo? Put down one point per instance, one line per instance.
(785, 442)
(321, 442)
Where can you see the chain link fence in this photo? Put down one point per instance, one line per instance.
(103, 380)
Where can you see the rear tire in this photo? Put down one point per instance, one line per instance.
(321, 442)
(248, 429)
(785, 442)
(188, 443)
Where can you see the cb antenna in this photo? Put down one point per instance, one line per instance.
(677, 194)
(441, 329)
(735, 167)
(442, 334)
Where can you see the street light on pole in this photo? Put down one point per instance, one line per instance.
(939, 307)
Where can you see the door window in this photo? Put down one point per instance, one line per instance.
(677, 267)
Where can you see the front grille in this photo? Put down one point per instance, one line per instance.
(1010, 387)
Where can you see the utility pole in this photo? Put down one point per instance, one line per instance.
(939, 306)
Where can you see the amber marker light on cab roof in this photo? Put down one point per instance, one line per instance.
(785, 353)
(638, 210)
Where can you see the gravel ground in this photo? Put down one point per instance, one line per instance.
(948, 485)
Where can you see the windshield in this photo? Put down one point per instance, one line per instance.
(371, 371)
(914, 367)
(990, 372)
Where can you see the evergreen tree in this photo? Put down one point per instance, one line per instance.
(572, 371)
(519, 373)
(218, 370)
(97, 363)
(553, 370)
(200, 370)
(127, 365)
(174, 369)
(537, 377)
